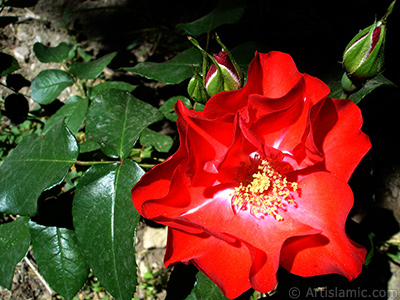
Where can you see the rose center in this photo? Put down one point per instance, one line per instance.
(262, 190)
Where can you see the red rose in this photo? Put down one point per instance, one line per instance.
(260, 180)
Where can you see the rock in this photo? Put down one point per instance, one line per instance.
(21, 53)
(154, 237)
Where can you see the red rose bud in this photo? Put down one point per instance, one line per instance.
(363, 57)
(222, 76)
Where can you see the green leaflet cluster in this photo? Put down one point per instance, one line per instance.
(104, 123)
(89, 154)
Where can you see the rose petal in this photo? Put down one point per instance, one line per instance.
(284, 130)
(324, 204)
(180, 199)
(345, 134)
(156, 183)
(266, 235)
(272, 75)
(244, 144)
(206, 144)
(316, 90)
(260, 105)
(206, 252)
(280, 74)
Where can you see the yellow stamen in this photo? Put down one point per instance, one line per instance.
(262, 190)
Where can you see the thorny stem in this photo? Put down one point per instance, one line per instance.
(208, 40)
(146, 166)
(89, 163)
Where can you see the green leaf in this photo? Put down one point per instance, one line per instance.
(88, 146)
(14, 244)
(51, 54)
(160, 142)
(48, 85)
(116, 119)
(101, 87)
(84, 55)
(71, 180)
(168, 108)
(227, 12)
(198, 106)
(205, 289)
(369, 86)
(74, 111)
(335, 87)
(105, 221)
(60, 260)
(173, 71)
(36, 164)
(394, 256)
(8, 64)
(91, 69)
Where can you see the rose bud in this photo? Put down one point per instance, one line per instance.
(222, 75)
(363, 57)
(196, 89)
